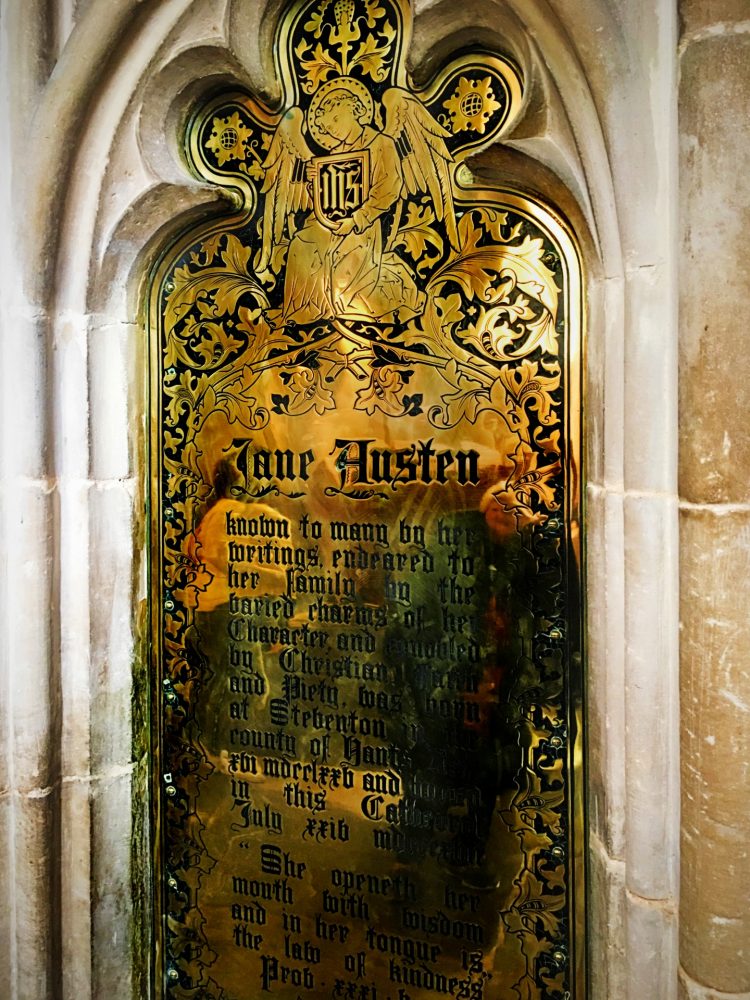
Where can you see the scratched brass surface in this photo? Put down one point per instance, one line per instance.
(366, 549)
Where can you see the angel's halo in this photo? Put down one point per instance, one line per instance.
(351, 86)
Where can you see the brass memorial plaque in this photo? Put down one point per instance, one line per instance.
(366, 564)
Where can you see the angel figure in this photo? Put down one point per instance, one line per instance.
(341, 264)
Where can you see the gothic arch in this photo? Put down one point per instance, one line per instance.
(103, 193)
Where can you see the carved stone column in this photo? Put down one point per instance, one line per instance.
(715, 500)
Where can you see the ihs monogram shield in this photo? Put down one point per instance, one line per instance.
(340, 186)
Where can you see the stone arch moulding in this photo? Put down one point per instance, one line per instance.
(366, 385)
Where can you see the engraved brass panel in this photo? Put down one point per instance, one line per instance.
(366, 555)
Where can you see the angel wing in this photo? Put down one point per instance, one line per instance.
(285, 185)
(425, 158)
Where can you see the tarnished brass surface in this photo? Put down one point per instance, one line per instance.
(365, 518)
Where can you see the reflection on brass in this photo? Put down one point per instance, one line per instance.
(365, 527)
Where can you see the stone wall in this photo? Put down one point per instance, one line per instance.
(714, 500)
(94, 95)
